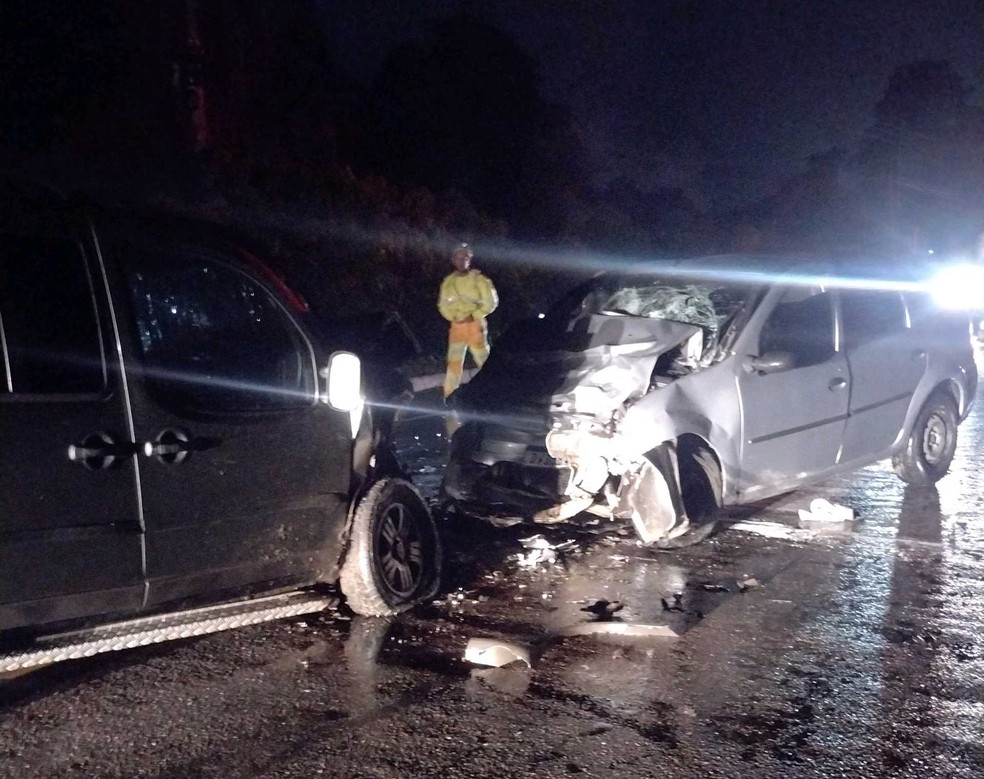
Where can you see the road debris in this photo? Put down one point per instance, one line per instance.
(714, 588)
(604, 609)
(495, 652)
(748, 584)
(823, 515)
(676, 605)
(540, 550)
(821, 508)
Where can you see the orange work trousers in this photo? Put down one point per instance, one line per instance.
(465, 336)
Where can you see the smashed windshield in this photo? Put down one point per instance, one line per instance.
(708, 303)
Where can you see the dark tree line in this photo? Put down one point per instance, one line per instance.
(239, 110)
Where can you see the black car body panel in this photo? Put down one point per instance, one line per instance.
(163, 430)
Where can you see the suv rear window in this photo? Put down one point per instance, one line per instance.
(50, 327)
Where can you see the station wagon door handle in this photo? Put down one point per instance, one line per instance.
(837, 383)
(98, 451)
(171, 446)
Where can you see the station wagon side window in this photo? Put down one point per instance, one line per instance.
(49, 325)
(933, 323)
(213, 340)
(802, 325)
(867, 315)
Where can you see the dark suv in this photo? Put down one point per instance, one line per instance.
(171, 430)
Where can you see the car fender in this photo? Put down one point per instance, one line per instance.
(707, 408)
(943, 373)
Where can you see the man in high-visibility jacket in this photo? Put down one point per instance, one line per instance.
(467, 297)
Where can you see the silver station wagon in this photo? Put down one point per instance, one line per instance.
(661, 396)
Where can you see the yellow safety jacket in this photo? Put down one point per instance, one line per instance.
(469, 294)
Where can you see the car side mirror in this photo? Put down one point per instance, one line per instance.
(343, 377)
(770, 362)
(343, 391)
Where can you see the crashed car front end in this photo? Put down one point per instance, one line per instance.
(548, 428)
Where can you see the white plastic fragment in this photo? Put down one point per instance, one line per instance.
(748, 584)
(822, 510)
(540, 550)
(495, 652)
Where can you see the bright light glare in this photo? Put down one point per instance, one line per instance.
(959, 287)
(345, 382)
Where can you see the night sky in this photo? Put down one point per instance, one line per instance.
(723, 98)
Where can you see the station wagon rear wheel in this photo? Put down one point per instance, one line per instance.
(394, 555)
(929, 450)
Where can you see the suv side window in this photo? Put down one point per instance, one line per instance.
(801, 324)
(867, 315)
(49, 324)
(213, 340)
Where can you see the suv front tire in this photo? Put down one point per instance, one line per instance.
(394, 553)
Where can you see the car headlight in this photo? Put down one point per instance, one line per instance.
(959, 287)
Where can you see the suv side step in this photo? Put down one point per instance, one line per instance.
(164, 627)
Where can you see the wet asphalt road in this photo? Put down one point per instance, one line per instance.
(859, 653)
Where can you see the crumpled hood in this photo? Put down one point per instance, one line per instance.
(593, 367)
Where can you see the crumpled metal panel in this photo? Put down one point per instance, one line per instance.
(598, 365)
(626, 372)
(625, 344)
(645, 498)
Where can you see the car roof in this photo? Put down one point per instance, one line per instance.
(177, 229)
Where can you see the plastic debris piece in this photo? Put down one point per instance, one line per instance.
(822, 510)
(495, 652)
(541, 550)
(748, 584)
(535, 542)
(714, 588)
(535, 557)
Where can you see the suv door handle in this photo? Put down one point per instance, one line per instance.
(171, 446)
(98, 451)
(918, 354)
(837, 383)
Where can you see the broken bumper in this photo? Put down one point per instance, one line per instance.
(500, 472)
